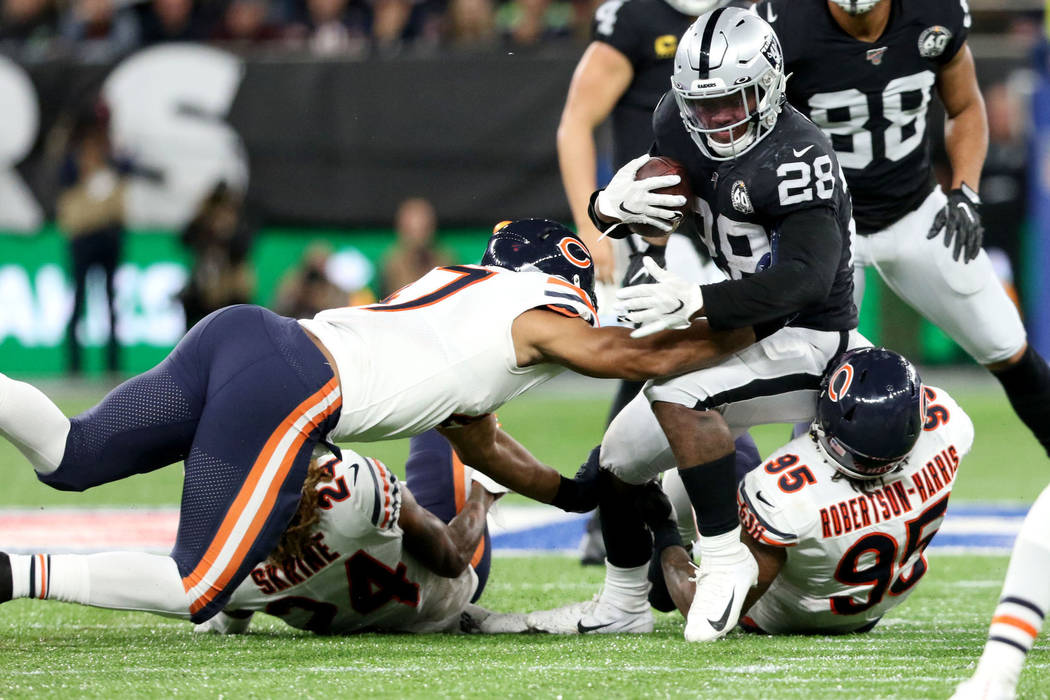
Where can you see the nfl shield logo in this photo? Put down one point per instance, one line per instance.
(875, 55)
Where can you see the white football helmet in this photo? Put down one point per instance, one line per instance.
(856, 7)
(695, 8)
(728, 81)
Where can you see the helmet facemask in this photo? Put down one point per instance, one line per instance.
(856, 7)
(728, 122)
(853, 464)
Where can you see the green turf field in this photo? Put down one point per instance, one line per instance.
(920, 651)
(1006, 463)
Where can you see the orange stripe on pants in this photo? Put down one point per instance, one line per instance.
(460, 486)
(259, 519)
(251, 482)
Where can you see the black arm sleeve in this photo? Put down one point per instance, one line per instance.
(806, 260)
(615, 230)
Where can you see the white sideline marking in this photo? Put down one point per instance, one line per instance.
(516, 529)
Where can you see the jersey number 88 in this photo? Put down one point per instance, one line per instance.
(890, 125)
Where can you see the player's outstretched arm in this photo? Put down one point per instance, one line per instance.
(487, 448)
(600, 80)
(809, 251)
(444, 549)
(544, 336)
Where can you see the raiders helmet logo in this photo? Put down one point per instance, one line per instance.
(933, 41)
(771, 51)
(740, 198)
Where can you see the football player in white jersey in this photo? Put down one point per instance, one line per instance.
(1020, 614)
(247, 395)
(839, 519)
(363, 552)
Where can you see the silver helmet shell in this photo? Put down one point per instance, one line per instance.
(729, 65)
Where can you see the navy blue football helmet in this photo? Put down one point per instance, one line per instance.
(544, 245)
(870, 412)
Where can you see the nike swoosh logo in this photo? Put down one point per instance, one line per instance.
(720, 624)
(637, 276)
(802, 152)
(625, 210)
(770, 15)
(584, 629)
(680, 305)
(758, 495)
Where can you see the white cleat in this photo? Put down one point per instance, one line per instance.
(478, 620)
(591, 617)
(985, 688)
(561, 620)
(721, 587)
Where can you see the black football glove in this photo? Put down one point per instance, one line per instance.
(655, 508)
(580, 493)
(636, 272)
(960, 221)
(652, 504)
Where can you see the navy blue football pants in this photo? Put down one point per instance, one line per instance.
(243, 398)
(434, 474)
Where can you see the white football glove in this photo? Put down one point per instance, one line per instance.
(669, 303)
(634, 202)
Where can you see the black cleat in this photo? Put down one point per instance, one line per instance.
(6, 579)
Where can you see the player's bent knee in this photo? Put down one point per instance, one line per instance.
(694, 432)
(62, 480)
(628, 473)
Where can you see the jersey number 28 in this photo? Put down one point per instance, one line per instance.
(796, 178)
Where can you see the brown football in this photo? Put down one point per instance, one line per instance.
(654, 167)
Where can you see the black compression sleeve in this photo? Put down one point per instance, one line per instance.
(592, 212)
(807, 258)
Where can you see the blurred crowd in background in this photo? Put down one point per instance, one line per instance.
(220, 237)
(103, 30)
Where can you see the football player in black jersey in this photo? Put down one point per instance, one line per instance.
(772, 209)
(622, 75)
(865, 71)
